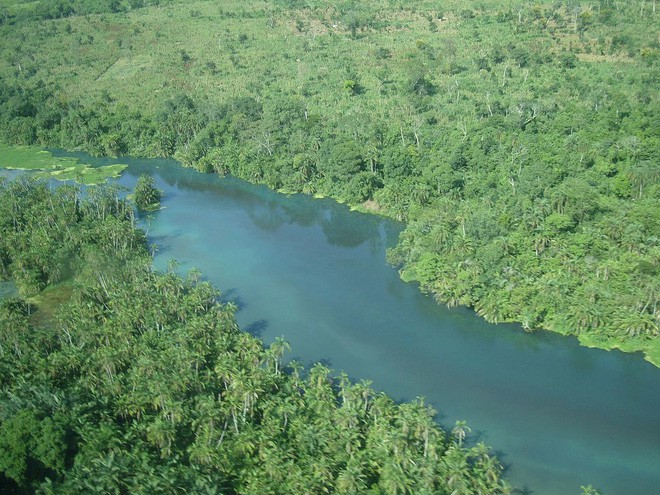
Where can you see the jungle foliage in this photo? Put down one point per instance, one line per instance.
(147, 197)
(518, 140)
(115, 378)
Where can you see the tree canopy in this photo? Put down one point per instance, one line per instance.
(518, 140)
(115, 378)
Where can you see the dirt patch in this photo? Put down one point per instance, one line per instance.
(592, 57)
(371, 205)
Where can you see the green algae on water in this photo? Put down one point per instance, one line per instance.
(47, 166)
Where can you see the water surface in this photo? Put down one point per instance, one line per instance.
(559, 415)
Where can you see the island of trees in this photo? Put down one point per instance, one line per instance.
(517, 140)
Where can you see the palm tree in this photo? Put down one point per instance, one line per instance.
(276, 351)
(351, 480)
(490, 309)
(460, 431)
(455, 468)
(635, 323)
(643, 175)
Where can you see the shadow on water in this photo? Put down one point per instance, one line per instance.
(346, 228)
(506, 466)
(231, 296)
(256, 328)
(160, 244)
(307, 364)
(341, 226)
(327, 362)
(477, 436)
(524, 490)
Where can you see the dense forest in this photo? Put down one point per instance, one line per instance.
(518, 140)
(115, 378)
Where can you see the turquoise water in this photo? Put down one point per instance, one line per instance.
(559, 415)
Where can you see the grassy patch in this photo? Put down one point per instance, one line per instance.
(650, 348)
(652, 352)
(31, 158)
(127, 68)
(84, 174)
(61, 168)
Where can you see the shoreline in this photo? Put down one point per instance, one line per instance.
(650, 352)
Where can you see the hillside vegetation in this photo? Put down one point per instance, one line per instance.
(518, 140)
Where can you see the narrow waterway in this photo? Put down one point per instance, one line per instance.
(559, 415)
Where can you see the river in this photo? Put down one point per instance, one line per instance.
(559, 415)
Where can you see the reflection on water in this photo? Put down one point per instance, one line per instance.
(560, 415)
(265, 207)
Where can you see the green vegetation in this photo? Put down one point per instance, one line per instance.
(147, 197)
(518, 140)
(7, 289)
(28, 10)
(61, 168)
(118, 379)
